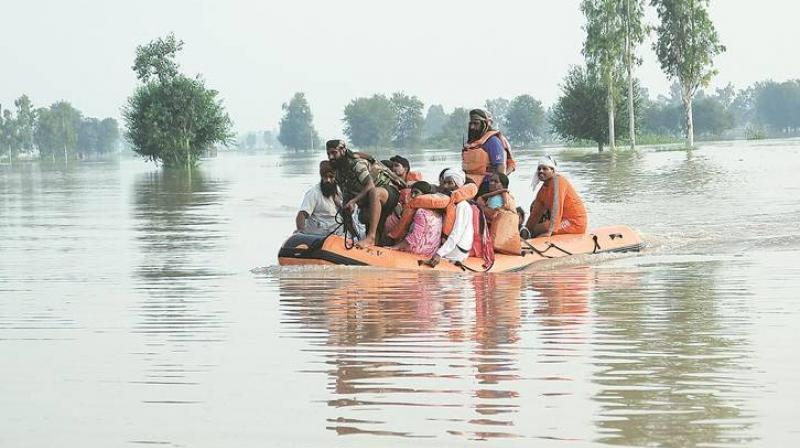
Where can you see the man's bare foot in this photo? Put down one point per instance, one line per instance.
(368, 241)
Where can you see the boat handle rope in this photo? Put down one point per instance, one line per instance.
(549, 246)
(343, 220)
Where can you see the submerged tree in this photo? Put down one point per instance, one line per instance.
(635, 30)
(579, 113)
(297, 125)
(408, 121)
(8, 133)
(777, 105)
(56, 131)
(525, 120)
(369, 122)
(687, 43)
(172, 118)
(604, 49)
(25, 122)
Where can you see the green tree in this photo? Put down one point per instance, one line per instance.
(711, 116)
(172, 118)
(498, 107)
(662, 117)
(687, 43)
(408, 121)
(56, 131)
(25, 121)
(8, 134)
(777, 105)
(369, 122)
(108, 136)
(579, 113)
(434, 120)
(604, 49)
(454, 131)
(88, 136)
(525, 118)
(297, 125)
(636, 30)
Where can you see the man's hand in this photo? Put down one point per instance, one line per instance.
(433, 261)
(350, 205)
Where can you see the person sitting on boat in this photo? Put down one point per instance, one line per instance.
(425, 234)
(487, 151)
(459, 241)
(497, 198)
(317, 215)
(402, 169)
(557, 208)
(370, 185)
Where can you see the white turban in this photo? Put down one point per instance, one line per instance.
(536, 184)
(547, 161)
(457, 175)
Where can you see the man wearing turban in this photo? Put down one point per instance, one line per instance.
(557, 208)
(368, 184)
(486, 151)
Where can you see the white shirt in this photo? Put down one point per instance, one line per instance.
(461, 236)
(321, 211)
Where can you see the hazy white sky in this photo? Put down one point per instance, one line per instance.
(258, 53)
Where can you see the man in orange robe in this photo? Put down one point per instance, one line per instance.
(557, 209)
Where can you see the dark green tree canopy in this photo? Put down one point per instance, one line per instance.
(56, 132)
(525, 120)
(172, 118)
(297, 125)
(157, 58)
(369, 122)
(454, 131)
(579, 114)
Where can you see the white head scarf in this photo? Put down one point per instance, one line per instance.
(457, 175)
(547, 161)
(536, 184)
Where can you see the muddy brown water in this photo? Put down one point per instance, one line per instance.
(143, 307)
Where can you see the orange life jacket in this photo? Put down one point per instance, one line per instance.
(438, 202)
(475, 159)
(413, 176)
(564, 203)
(504, 224)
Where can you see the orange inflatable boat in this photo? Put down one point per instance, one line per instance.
(301, 249)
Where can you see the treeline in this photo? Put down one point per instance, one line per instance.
(400, 121)
(59, 131)
(765, 109)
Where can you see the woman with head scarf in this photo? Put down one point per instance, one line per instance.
(557, 208)
(425, 234)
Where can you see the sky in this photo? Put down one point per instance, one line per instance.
(258, 53)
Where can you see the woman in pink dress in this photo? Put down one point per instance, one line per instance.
(425, 235)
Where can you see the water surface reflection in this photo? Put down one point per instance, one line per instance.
(179, 228)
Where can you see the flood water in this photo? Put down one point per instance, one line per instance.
(143, 307)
